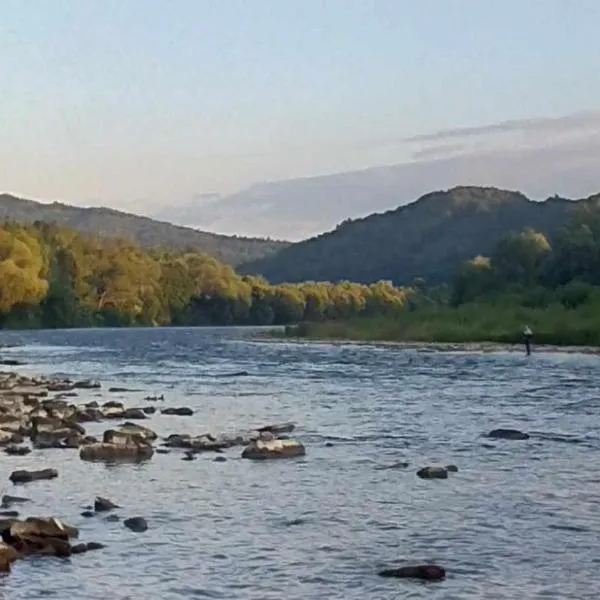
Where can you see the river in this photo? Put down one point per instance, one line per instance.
(520, 519)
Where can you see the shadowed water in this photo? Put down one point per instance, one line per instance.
(519, 520)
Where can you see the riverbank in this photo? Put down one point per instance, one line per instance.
(477, 326)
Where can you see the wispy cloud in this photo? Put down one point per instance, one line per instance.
(582, 121)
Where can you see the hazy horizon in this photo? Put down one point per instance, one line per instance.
(152, 107)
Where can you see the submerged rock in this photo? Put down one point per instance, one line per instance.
(261, 450)
(425, 572)
(508, 434)
(278, 428)
(182, 411)
(24, 476)
(15, 450)
(104, 504)
(137, 524)
(433, 473)
(8, 500)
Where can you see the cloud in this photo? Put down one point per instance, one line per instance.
(580, 121)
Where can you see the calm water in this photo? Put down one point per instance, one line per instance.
(519, 520)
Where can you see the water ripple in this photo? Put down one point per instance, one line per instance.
(518, 520)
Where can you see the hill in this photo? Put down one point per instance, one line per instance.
(427, 238)
(147, 232)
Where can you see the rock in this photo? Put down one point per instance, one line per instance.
(452, 468)
(81, 548)
(260, 450)
(103, 451)
(15, 450)
(8, 500)
(149, 410)
(88, 513)
(24, 476)
(8, 555)
(9, 513)
(42, 527)
(95, 546)
(87, 384)
(112, 518)
(137, 524)
(508, 434)
(145, 432)
(219, 459)
(104, 504)
(433, 473)
(278, 428)
(11, 362)
(134, 413)
(160, 398)
(425, 572)
(117, 390)
(189, 455)
(397, 465)
(60, 386)
(162, 451)
(182, 411)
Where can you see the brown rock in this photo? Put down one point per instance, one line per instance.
(261, 450)
(24, 476)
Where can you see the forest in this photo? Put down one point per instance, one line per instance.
(553, 288)
(55, 277)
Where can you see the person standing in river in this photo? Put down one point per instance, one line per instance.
(527, 335)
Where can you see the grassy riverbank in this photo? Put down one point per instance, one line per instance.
(469, 323)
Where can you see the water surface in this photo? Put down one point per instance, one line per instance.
(519, 519)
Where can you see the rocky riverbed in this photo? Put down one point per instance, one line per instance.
(40, 413)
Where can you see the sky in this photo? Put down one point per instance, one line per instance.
(144, 105)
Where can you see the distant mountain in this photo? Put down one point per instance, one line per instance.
(147, 232)
(428, 238)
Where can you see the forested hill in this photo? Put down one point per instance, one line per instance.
(428, 238)
(147, 232)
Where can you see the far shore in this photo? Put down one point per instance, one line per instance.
(464, 347)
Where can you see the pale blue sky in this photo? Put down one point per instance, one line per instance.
(147, 102)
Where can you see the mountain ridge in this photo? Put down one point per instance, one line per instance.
(148, 232)
(427, 238)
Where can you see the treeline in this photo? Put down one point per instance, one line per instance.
(552, 285)
(52, 276)
(526, 268)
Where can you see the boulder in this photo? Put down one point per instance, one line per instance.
(508, 434)
(137, 524)
(261, 450)
(433, 473)
(145, 432)
(134, 413)
(110, 451)
(424, 572)
(24, 476)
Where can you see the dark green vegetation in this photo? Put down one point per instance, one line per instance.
(553, 288)
(56, 277)
(148, 233)
(428, 238)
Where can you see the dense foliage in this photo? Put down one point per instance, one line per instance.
(553, 288)
(147, 232)
(427, 238)
(55, 277)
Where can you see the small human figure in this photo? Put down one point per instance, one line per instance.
(527, 335)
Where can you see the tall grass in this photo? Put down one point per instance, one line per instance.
(553, 325)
